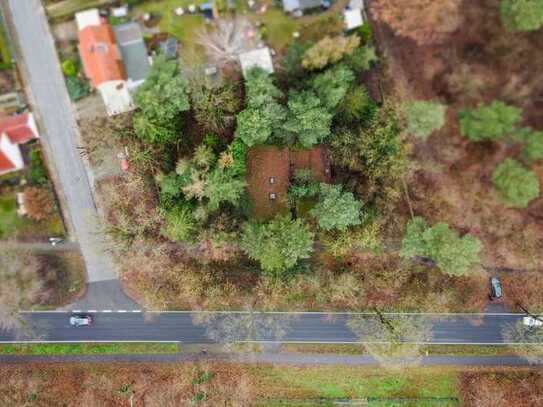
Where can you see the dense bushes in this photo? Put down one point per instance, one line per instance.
(516, 185)
(493, 121)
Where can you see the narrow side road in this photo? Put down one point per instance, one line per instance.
(274, 358)
(40, 68)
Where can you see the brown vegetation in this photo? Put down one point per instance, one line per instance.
(425, 21)
(492, 389)
(451, 178)
(38, 203)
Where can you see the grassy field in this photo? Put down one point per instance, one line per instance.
(10, 222)
(65, 10)
(107, 384)
(337, 382)
(87, 348)
(182, 27)
(347, 349)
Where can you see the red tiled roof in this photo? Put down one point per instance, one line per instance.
(5, 163)
(99, 54)
(17, 128)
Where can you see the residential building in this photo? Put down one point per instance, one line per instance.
(260, 57)
(14, 131)
(134, 56)
(114, 59)
(299, 6)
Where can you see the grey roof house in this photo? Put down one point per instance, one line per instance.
(134, 53)
(290, 6)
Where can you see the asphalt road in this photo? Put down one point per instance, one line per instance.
(39, 65)
(269, 327)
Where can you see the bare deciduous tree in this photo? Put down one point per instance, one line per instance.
(225, 41)
(527, 342)
(392, 340)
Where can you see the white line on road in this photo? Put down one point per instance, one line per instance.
(106, 310)
(122, 310)
(92, 310)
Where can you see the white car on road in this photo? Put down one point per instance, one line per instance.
(531, 321)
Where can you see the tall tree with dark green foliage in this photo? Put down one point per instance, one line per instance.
(516, 185)
(452, 254)
(278, 245)
(336, 209)
(264, 115)
(161, 100)
(522, 15)
(489, 122)
(308, 120)
(332, 85)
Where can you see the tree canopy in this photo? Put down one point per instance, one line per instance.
(336, 209)
(522, 15)
(263, 115)
(278, 244)
(516, 185)
(307, 119)
(424, 117)
(329, 50)
(451, 253)
(332, 85)
(533, 150)
(160, 100)
(493, 121)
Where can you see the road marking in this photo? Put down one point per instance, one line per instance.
(92, 310)
(136, 310)
(122, 310)
(76, 311)
(106, 310)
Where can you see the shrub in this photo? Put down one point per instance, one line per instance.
(180, 225)
(69, 68)
(38, 203)
(423, 117)
(37, 174)
(522, 15)
(365, 33)
(493, 121)
(516, 185)
(77, 88)
(362, 59)
(357, 107)
(452, 254)
(533, 150)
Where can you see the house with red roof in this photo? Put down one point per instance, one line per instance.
(14, 131)
(102, 61)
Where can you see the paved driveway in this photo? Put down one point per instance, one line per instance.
(39, 64)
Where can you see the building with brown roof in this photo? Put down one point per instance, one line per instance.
(269, 170)
(102, 61)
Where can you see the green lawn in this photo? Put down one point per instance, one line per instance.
(182, 27)
(65, 10)
(10, 222)
(87, 348)
(336, 382)
(5, 56)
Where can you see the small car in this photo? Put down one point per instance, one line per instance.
(495, 289)
(532, 322)
(80, 320)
